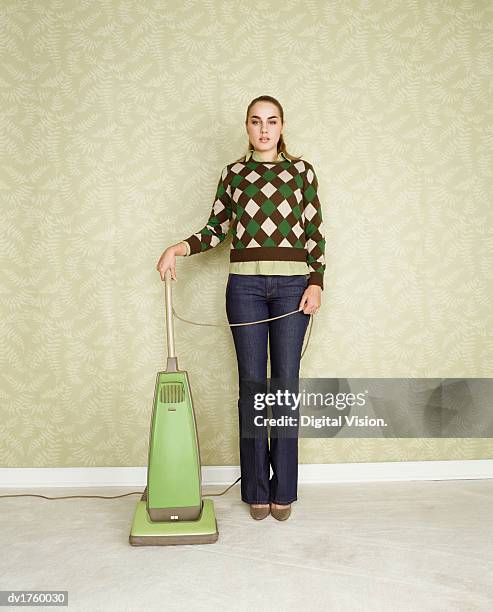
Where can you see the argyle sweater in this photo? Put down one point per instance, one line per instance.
(273, 212)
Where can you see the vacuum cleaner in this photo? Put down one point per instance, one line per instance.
(171, 509)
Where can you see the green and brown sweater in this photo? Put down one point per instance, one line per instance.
(273, 212)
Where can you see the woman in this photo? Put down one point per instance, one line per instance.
(268, 198)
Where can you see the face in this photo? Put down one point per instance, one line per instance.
(264, 126)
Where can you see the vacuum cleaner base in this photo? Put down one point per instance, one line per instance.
(144, 532)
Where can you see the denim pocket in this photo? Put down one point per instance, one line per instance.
(295, 284)
(233, 280)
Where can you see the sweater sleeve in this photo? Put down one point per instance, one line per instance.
(217, 226)
(314, 228)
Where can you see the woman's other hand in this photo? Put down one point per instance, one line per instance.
(311, 299)
(167, 261)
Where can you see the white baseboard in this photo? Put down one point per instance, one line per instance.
(217, 475)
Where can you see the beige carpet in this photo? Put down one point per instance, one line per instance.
(419, 546)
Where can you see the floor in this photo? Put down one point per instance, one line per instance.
(413, 546)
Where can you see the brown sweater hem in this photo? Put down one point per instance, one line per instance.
(268, 254)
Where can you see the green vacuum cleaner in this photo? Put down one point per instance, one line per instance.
(171, 509)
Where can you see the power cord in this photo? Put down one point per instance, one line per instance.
(107, 496)
(287, 314)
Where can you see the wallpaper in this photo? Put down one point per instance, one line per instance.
(116, 118)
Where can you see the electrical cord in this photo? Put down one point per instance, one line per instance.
(251, 323)
(107, 496)
(141, 492)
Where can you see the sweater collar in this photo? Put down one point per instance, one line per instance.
(252, 153)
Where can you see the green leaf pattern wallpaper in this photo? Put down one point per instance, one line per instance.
(116, 120)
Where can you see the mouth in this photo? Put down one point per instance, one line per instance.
(264, 139)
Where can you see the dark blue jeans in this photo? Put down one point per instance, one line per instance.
(250, 297)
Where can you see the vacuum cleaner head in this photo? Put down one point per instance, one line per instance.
(145, 532)
(171, 510)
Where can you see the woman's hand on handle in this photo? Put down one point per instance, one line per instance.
(311, 299)
(167, 261)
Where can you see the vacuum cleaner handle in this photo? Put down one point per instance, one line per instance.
(172, 363)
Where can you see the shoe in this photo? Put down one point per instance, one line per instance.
(259, 513)
(281, 514)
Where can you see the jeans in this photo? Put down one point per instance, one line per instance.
(250, 297)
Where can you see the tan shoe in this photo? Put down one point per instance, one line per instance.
(281, 514)
(259, 513)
